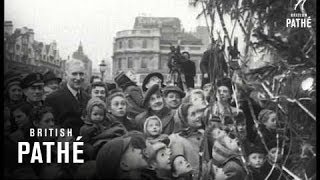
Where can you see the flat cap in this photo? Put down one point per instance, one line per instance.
(176, 89)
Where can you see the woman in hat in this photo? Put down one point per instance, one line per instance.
(13, 92)
(134, 96)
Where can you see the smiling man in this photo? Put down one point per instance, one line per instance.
(32, 86)
(173, 96)
(69, 101)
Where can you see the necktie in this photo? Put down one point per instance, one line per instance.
(78, 96)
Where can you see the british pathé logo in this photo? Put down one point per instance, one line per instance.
(299, 19)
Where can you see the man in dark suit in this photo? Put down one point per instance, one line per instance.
(69, 102)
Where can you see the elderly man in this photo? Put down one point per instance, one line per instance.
(155, 105)
(32, 86)
(173, 96)
(69, 101)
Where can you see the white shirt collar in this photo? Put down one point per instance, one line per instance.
(73, 92)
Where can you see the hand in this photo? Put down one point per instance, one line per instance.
(205, 75)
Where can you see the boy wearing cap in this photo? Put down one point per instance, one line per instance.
(32, 86)
(154, 103)
(118, 157)
(256, 157)
(173, 96)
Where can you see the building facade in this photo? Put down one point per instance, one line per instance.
(145, 48)
(23, 54)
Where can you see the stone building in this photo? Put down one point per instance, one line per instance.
(145, 48)
(23, 54)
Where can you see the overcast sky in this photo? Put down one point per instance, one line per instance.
(94, 22)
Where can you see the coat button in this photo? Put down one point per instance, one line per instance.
(198, 138)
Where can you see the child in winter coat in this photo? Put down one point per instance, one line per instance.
(152, 129)
(268, 127)
(256, 157)
(96, 129)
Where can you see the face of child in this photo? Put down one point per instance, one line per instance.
(272, 155)
(194, 116)
(223, 93)
(230, 143)
(256, 160)
(153, 127)
(181, 166)
(156, 102)
(133, 159)
(206, 89)
(118, 106)
(271, 123)
(163, 159)
(47, 121)
(173, 100)
(97, 114)
(242, 129)
(20, 118)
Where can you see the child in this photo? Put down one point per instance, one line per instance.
(226, 157)
(256, 157)
(268, 120)
(181, 168)
(97, 130)
(152, 129)
(117, 107)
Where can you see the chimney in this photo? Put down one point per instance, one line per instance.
(31, 36)
(8, 27)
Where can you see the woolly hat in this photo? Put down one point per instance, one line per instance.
(264, 115)
(146, 124)
(94, 102)
(152, 150)
(148, 77)
(109, 156)
(11, 79)
(155, 88)
(220, 153)
(176, 89)
(225, 82)
(254, 148)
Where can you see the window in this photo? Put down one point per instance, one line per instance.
(120, 44)
(119, 63)
(144, 43)
(144, 62)
(130, 62)
(130, 43)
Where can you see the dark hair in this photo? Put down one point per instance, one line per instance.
(185, 52)
(99, 84)
(38, 112)
(92, 78)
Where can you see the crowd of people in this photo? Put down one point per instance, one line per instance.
(156, 131)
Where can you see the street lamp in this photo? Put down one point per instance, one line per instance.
(103, 68)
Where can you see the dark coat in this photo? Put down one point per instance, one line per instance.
(208, 60)
(166, 115)
(127, 123)
(189, 70)
(67, 109)
(134, 98)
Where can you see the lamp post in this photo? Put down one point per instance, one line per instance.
(103, 68)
